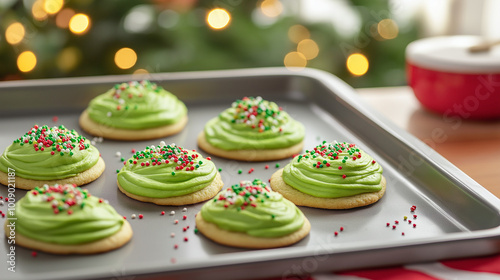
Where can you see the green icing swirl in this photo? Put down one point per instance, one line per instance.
(64, 214)
(252, 208)
(49, 153)
(136, 105)
(166, 171)
(317, 171)
(253, 123)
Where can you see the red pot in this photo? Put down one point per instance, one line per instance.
(448, 79)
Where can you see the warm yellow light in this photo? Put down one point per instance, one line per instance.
(140, 71)
(63, 17)
(295, 59)
(357, 64)
(26, 61)
(125, 58)
(218, 18)
(79, 23)
(14, 33)
(388, 29)
(271, 8)
(52, 6)
(308, 48)
(38, 11)
(297, 33)
(68, 59)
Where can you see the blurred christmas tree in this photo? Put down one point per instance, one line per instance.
(56, 38)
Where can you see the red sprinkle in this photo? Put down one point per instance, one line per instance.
(124, 217)
(409, 221)
(162, 213)
(141, 216)
(55, 118)
(388, 224)
(373, 162)
(393, 227)
(208, 158)
(250, 171)
(336, 233)
(340, 167)
(396, 222)
(341, 228)
(403, 233)
(344, 176)
(34, 254)
(267, 166)
(133, 151)
(176, 246)
(414, 225)
(414, 216)
(185, 239)
(184, 217)
(184, 229)
(70, 212)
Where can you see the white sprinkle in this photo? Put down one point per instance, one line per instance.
(133, 216)
(162, 143)
(92, 142)
(99, 139)
(184, 210)
(172, 213)
(118, 154)
(108, 114)
(106, 201)
(1, 203)
(121, 101)
(172, 235)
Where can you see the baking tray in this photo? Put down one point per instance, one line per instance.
(456, 217)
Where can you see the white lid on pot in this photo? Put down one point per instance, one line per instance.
(451, 54)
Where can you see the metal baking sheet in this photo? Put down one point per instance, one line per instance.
(456, 216)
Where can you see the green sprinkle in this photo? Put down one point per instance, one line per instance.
(239, 171)
(82, 205)
(62, 154)
(196, 231)
(277, 165)
(122, 159)
(273, 216)
(220, 169)
(173, 173)
(117, 170)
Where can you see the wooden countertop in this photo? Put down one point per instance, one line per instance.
(473, 146)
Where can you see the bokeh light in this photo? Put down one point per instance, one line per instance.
(295, 59)
(52, 6)
(125, 58)
(141, 71)
(26, 61)
(388, 29)
(218, 18)
(68, 59)
(271, 8)
(38, 11)
(357, 64)
(14, 34)
(63, 17)
(308, 48)
(79, 23)
(297, 33)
